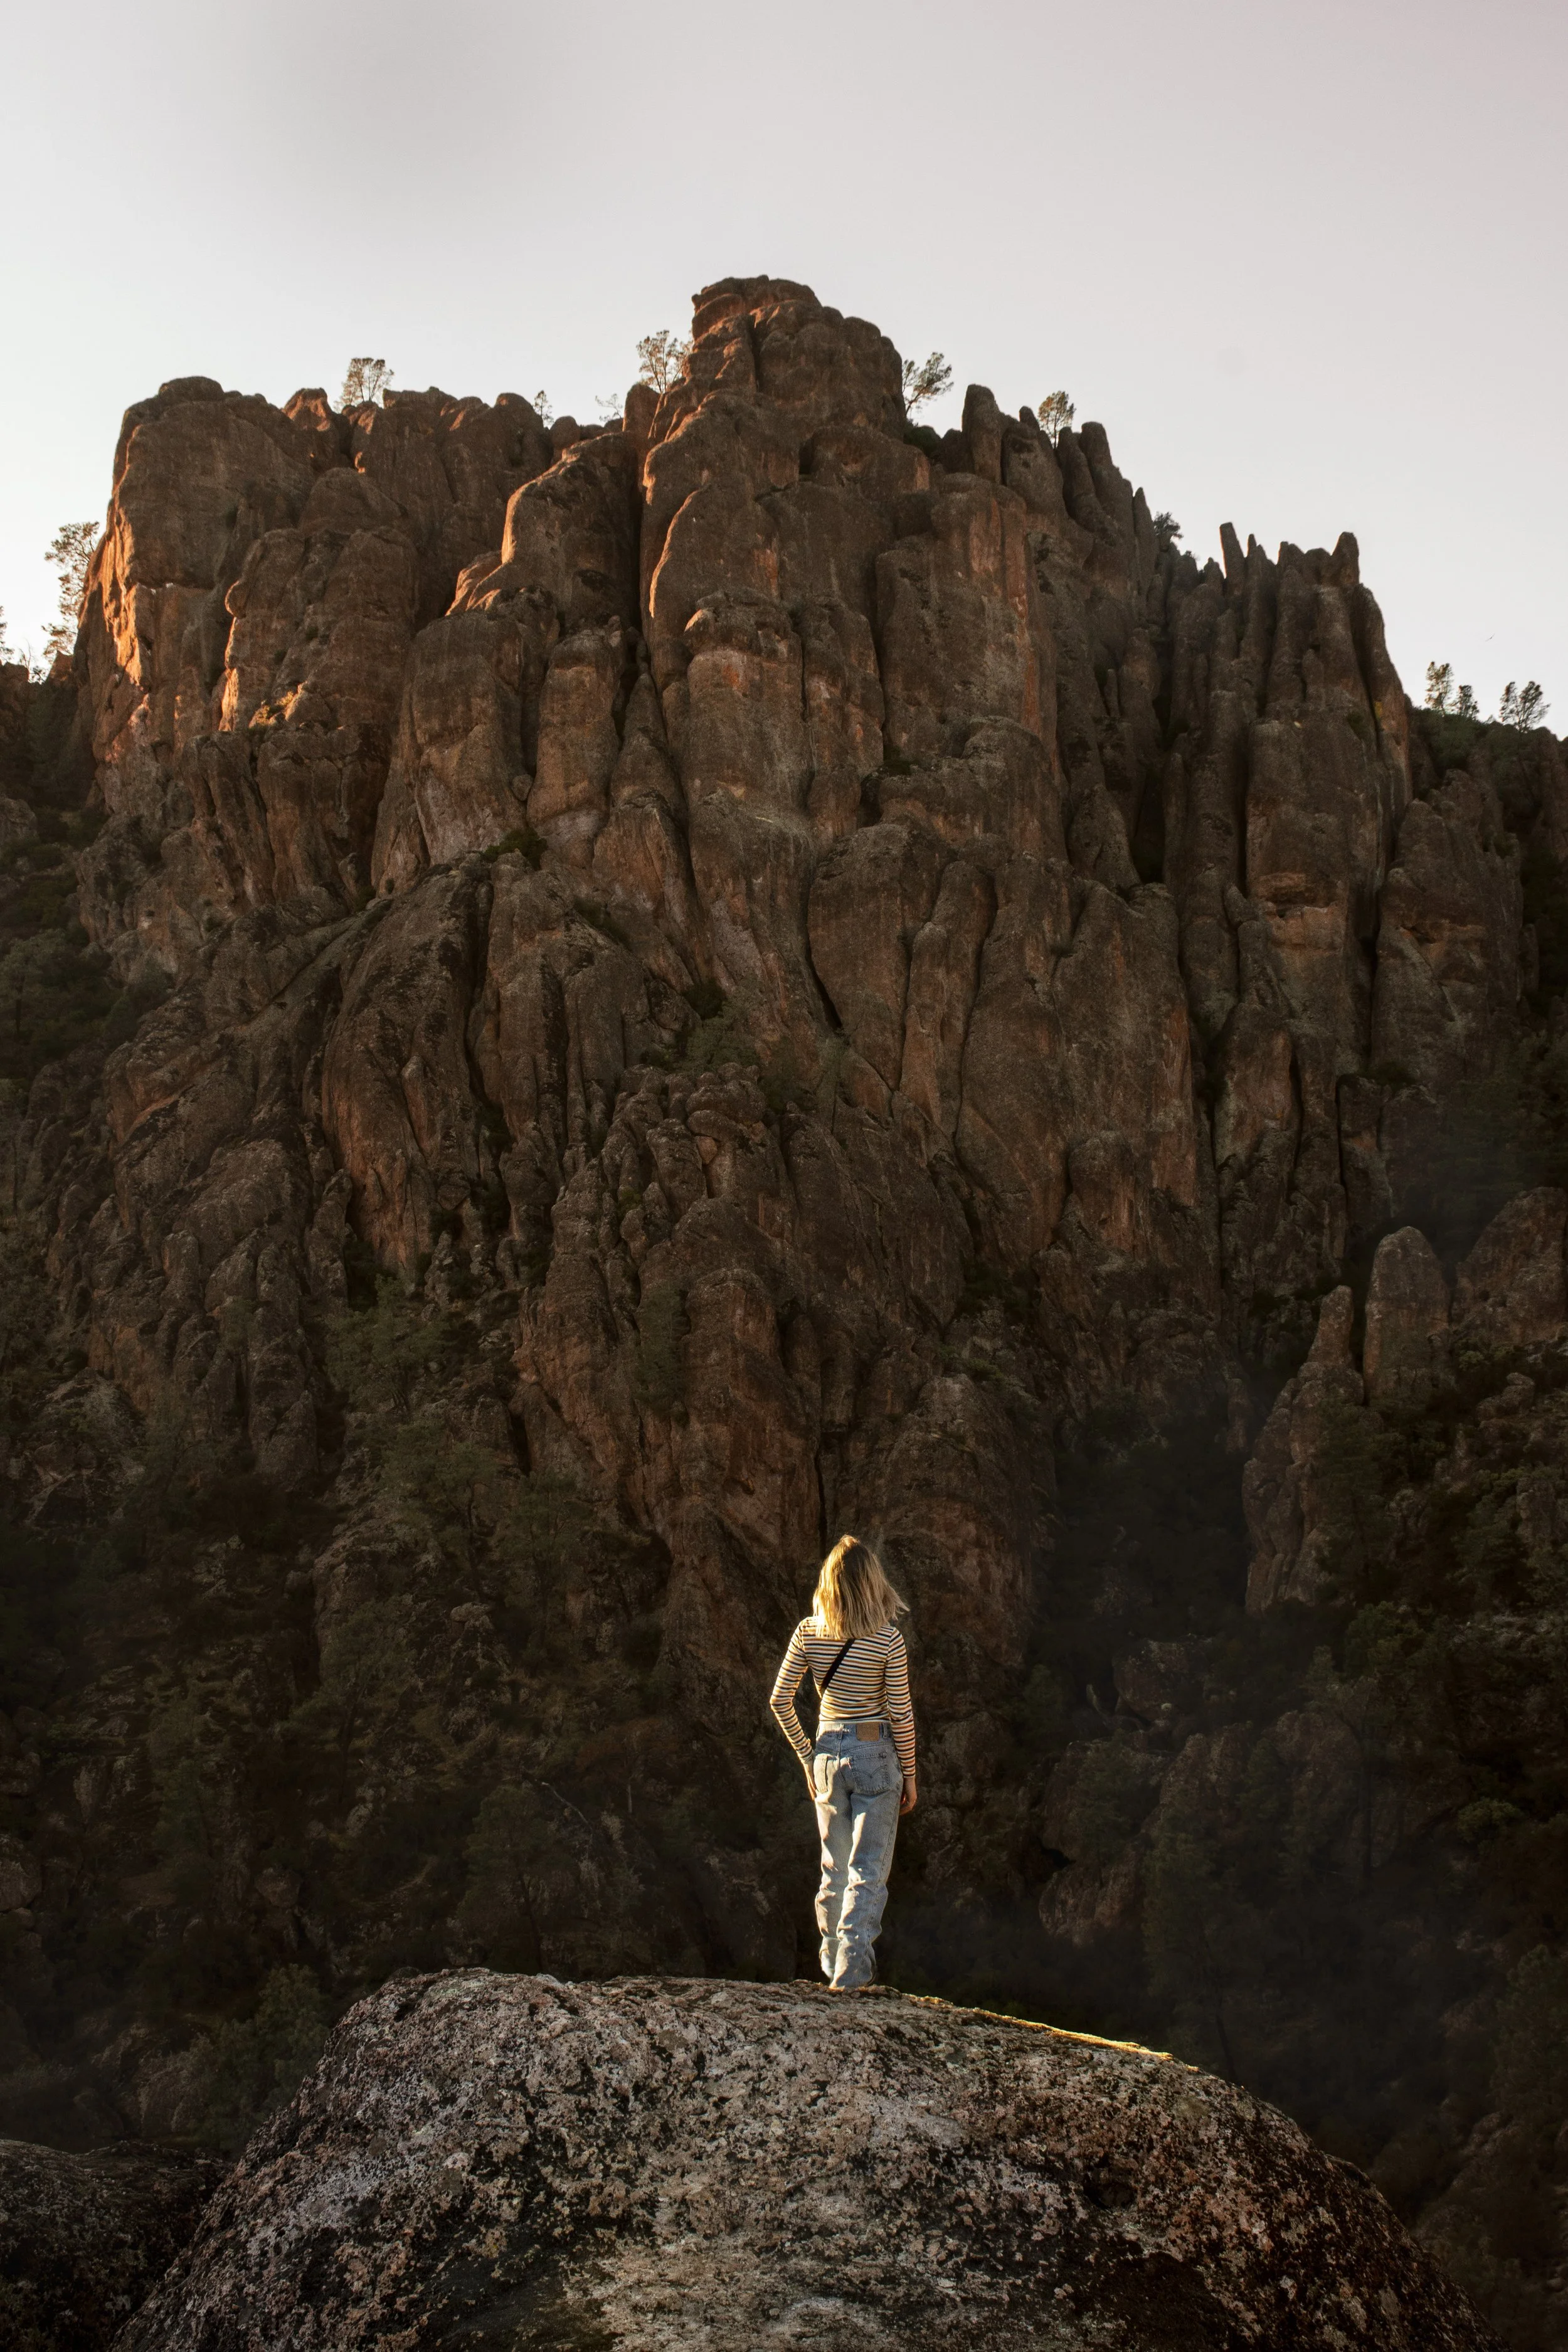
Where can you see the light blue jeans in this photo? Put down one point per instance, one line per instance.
(857, 1784)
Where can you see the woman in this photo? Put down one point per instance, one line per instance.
(861, 1771)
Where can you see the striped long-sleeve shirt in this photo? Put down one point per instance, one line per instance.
(873, 1682)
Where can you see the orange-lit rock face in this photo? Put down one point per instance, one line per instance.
(984, 820)
(838, 947)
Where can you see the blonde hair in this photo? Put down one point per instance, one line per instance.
(852, 1595)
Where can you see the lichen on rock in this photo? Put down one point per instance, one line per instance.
(656, 2163)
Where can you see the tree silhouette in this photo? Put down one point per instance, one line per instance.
(661, 359)
(925, 380)
(1524, 706)
(364, 384)
(1055, 413)
(1443, 695)
(70, 551)
(1439, 686)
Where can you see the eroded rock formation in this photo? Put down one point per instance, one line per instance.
(684, 985)
(877, 746)
(984, 813)
(1510, 1297)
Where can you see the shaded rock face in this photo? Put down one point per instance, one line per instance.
(1510, 1293)
(652, 2163)
(83, 2238)
(689, 985)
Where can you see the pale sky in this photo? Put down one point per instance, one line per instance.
(1305, 264)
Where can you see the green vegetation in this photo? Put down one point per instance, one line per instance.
(1521, 707)
(364, 384)
(378, 1356)
(1056, 414)
(925, 381)
(1524, 706)
(250, 2069)
(437, 1485)
(1447, 699)
(523, 842)
(56, 995)
(367, 1682)
(70, 551)
(507, 1852)
(662, 1324)
(1114, 1791)
(56, 992)
(662, 359)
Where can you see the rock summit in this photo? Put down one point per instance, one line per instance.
(718, 2167)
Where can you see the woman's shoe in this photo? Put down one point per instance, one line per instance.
(861, 1980)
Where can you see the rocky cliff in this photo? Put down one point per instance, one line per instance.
(658, 2163)
(587, 1008)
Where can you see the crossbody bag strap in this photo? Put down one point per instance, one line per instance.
(833, 1669)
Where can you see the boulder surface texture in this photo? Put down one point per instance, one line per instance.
(83, 2237)
(658, 2162)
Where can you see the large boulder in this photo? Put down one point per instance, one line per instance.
(664, 2162)
(82, 2237)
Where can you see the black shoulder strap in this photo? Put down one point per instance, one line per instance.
(833, 1669)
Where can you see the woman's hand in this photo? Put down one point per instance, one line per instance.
(907, 1800)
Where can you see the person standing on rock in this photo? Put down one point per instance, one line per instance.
(861, 1768)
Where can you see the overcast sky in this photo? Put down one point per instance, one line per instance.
(1306, 263)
